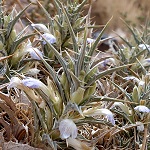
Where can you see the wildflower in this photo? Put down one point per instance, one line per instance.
(142, 108)
(40, 27)
(35, 84)
(89, 40)
(35, 53)
(14, 82)
(49, 37)
(140, 126)
(100, 112)
(146, 62)
(32, 83)
(138, 81)
(144, 46)
(67, 129)
(107, 62)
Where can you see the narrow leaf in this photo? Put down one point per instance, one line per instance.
(13, 22)
(94, 46)
(106, 72)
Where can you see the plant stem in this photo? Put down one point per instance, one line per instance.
(145, 138)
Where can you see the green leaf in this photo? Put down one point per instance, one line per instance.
(16, 43)
(55, 79)
(79, 7)
(47, 14)
(106, 72)
(128, 96)
(13, 22)
(94, 46)
(125, 41)
(75, 45)
(134, 35)
(81, 58)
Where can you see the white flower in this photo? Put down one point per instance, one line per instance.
(100, 112)
(67, 129)
(32, 83)
(40, 27)
(142, 108)
(35, 53)
(89, 40)
(140, 126)
(144, 46)
(35, 84)
(138, 81)
(146, 62)
(14, 82)
(49, 37)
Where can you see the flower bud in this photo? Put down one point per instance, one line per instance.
(40, 27)
(135, 94)
(49, 37)
(77, 96)
(67, 129)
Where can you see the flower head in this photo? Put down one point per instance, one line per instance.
(140, 126)
(40, 27)
(136, 80)
(31, 83)
(100, 112)
(67, 129)
(49, 37)
(144, 46)
(142, 108)
(35, 53)
(89, 40)
(14, 82)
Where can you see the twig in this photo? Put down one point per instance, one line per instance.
(145, 137)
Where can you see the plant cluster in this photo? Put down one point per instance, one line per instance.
(59, 92)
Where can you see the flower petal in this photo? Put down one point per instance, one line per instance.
(144, 46)
(67, 129)
(89, 40)
(100, 112)
(35, 53)
(32, 83)
(50, 38)
(108, 115)
(14, 82)
(142, 108)
(140, 126)
(40, 27)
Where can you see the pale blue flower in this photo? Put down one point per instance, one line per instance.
(49, 37)
(31, 83)
(144, 46)
(140, 126)
(100, 112)
(142, 108)
(35, 53)
(40, 27)
(67, 129)
(138, 81)
(89, 40)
